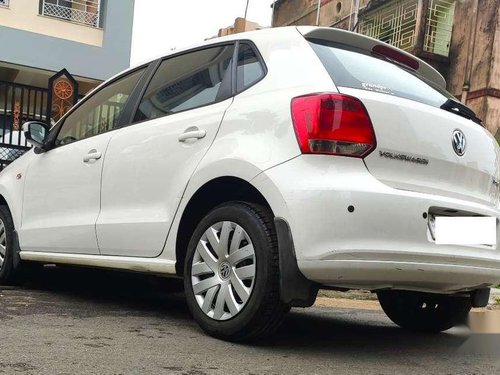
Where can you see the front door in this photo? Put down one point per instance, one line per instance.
(62, 186)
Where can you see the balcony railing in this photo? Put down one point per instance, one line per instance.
(86, 12)
(4, 3)
(396, 23)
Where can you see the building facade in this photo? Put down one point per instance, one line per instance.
(461, 39)
(240, 25)
(87, 41)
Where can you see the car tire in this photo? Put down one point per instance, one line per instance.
(424, 312)
(12, 272)
(7, 247)
(226, 310)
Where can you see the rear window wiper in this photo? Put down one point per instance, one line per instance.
(459, 109)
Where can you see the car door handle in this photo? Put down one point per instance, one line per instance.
(92, 155)
(192, 134)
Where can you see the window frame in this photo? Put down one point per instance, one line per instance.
(160, 61)
(56, 129)
(134, 106)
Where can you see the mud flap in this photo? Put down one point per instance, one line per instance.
(295, 288)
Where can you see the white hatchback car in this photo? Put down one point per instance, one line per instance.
(260, 167)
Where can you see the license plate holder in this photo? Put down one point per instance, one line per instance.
(463, 230)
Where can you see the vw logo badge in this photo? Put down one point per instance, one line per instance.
(225, 270)
(458, 142)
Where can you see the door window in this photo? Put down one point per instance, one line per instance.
(250, 70)
(99, 113)
(188, 81)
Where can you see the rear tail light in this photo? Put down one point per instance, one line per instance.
(332, 124)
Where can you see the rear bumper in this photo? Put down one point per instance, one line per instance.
(424, 277)
(384, 242)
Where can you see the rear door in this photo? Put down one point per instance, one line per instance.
(149, 163)
(416, 138)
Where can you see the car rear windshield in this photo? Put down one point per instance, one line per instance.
(354, 68)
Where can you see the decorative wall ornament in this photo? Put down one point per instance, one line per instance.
(63, 94)
(16, 120)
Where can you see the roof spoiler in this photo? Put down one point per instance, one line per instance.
(372, 45)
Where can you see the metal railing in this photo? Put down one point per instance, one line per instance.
(396, 23)
(18, 104)
(86, 12)
(4, 3)
(438, 27)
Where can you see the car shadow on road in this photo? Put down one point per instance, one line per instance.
(84, 292)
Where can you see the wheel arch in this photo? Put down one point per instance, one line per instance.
(211, 194)
(5, 200)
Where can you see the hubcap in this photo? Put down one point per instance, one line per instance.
(223, 270)
(3, 244)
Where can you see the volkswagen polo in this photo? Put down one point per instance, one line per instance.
(261, 167)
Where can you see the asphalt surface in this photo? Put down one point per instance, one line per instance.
(76, 321)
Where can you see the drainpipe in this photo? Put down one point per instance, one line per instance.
(318, 13)
(356, 14)
(470, 52)
(350, 14)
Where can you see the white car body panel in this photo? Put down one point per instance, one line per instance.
(62, 198)
(149, 178)
(146, 172)
(387, 226)
(468, 177)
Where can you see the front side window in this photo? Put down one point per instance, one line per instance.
(188, 81)
(99, 113)
(250, 70)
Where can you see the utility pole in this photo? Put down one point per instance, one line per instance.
(246, 10)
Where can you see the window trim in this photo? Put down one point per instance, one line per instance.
(175, 55)
(54, 132)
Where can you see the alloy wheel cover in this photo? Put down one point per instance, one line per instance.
(223, 270)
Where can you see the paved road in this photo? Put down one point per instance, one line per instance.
(78, 321)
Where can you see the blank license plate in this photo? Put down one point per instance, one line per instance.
(462, 230)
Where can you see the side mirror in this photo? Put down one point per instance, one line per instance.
(36, 133)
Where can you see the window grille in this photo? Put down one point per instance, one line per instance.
(394, 23)
(439, 25)
(86, 12)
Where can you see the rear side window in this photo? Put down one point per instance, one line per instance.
(188, 81)
(349, 68)
(250, 70)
